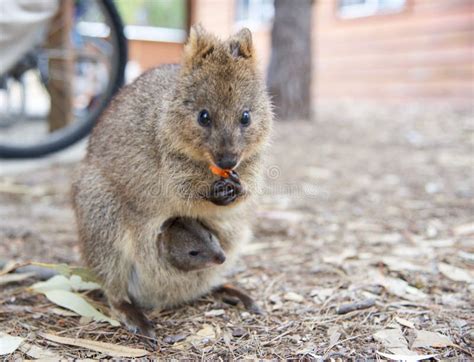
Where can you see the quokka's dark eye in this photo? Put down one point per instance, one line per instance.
(204, 119)
(194, 253)
(245, 119)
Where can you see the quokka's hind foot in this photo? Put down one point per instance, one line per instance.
(136, 321)
(247, 301)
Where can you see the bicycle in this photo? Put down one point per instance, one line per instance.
(54, 94)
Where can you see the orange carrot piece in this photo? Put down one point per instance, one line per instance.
(219, 171)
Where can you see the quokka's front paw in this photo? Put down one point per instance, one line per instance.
(226, 190)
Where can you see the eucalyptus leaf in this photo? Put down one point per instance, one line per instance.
(78, 304)
(9, 344)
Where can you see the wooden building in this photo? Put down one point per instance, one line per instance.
(377, 50)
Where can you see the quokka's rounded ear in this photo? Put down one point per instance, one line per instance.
(241, 44)
(167, 224)
(200, 44)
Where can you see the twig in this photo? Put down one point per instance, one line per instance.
(350, 307)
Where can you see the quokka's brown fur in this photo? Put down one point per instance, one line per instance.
(148, 160)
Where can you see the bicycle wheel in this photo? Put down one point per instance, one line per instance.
(96, 60)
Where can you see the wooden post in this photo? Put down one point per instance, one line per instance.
(190, 14)
(61, 66)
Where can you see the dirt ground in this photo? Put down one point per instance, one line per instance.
(363, 205)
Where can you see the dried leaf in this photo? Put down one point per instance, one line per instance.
(38, 352)
(394, 341)
(66, 270)
(426, 339)
(214, 313)
(399, 264)
(465, 229)
(60, 282)
(10, 188)
(469, 257)
(293, 297)
(334, 335)
(204, 335)
(405, 323)
(455, 273)
(14, 278)
(400, 288)
(408, 358)
(9, 344)
(320, 295)
(78, 304)
(109, 349)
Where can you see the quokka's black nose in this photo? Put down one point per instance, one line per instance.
(227, 162)
(219, 258)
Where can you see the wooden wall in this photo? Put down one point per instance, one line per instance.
(424, 52)
(149, 54)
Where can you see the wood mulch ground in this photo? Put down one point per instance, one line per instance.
(364, 209)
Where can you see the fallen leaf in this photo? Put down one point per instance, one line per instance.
(109, 349)
(14, 278)
(10, 188)
(38, 352)
(226, 338)
(9, 344)
(426, 339)
(320, 295)
(60, 282)
(204, 335)
(399, 264)
(78, 304)
(400, 288)
(334, 334)
(453, 300)
(408, 358)
(404, 322)
(307, 352)
(467, 256)
(214, 313)
(293, 297)
(394, 341)
(464, 229)
(455, 273)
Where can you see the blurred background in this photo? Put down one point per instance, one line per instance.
(375, 50)
(62, 61)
